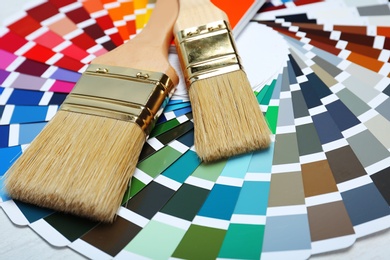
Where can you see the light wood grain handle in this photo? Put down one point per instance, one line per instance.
(149, 49)
(158, 31)
(193, 13)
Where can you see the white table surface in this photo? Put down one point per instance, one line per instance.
(23, 243)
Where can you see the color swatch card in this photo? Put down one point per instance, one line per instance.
(320, 72)
(239, 13)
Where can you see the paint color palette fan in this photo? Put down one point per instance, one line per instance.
(320, 72)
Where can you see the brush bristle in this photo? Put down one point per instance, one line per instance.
(79, 164)
(227, 118)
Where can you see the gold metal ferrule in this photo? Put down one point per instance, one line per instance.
(206, 51)
(127, 94)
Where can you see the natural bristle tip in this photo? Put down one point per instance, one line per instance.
(227, 117)
(85, 170)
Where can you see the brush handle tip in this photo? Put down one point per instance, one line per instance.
(193, 13)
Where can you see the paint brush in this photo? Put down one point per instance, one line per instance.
(82, 161)
(227, 118)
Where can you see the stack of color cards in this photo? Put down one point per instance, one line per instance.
(321, 74)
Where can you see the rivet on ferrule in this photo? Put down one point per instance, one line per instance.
(121, 93)
(207, 51)
(197, 31)
(142, 76)
(101, 70)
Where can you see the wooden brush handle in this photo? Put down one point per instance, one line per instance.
(194, 13)
(149, 49)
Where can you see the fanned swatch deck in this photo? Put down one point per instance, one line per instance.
(321, 73)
